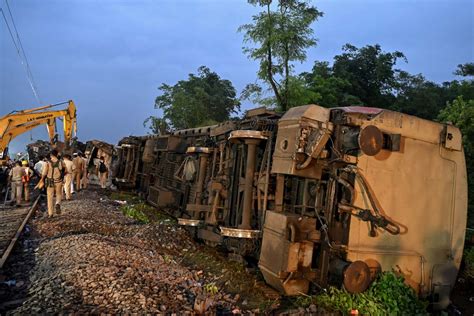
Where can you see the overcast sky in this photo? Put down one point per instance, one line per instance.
(111, 56)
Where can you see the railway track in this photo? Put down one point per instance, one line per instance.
(12, 223)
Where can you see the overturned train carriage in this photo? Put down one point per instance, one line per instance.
(320, 196)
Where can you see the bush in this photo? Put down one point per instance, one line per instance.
(388, 295)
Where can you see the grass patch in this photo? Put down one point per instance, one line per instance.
(145, 213)
(136, 212)
(137, 209)
(130, 198)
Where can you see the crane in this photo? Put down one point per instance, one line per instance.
(19, 122)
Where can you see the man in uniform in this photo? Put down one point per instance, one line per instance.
(25, 179)
(78, 166)
(69, 171)
(16, 185)
(53, 179)
(85, 172)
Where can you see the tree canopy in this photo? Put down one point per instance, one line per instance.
(465, 70)
(460, 112)
(278, 36)
(157, 125)
(204, 98)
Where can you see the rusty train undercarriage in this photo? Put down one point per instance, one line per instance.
(319, 196)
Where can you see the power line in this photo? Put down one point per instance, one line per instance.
(29, 72)
(23, 62)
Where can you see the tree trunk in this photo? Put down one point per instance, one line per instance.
(287, 79)
(269, 68)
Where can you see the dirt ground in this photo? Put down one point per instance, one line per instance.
(94, 259)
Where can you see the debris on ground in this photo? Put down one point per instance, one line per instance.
(93, 258)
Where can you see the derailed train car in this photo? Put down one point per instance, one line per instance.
(319, 196)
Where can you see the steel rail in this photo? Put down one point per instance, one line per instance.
(18, 233)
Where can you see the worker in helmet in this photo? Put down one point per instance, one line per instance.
(25, 179)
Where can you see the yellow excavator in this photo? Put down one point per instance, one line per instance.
(19, 122)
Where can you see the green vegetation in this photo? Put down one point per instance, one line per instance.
(465, 70)
(125, 196)
(136, 212)
(279, 35)
(157, 125)
(137, 209)
(201, 100)
(388, 295)
(145, 213)
(211, 288)
(460, 112)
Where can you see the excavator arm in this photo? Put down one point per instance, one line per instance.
(19, 122)
(23, 128)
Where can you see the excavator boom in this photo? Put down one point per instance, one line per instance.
(18, 122)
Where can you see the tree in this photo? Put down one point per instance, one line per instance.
(331, 90)
(157, 125)
(279, 36)
(460, 112)
(370, 72)
(465, 70)
(202, 99)
(419, 97)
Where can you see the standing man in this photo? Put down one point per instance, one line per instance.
(102, 171)
(53, 179)
(25, 179)
(39, 166)
(85, 173)
(68, 173)
(78, 167)
(15, 179)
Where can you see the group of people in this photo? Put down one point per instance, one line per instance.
(19, 177)
(58, 174)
